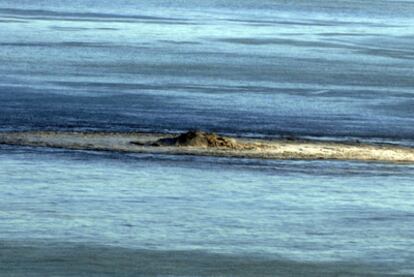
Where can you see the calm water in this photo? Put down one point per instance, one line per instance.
(342, 68)
(318, 215)
(327, 69)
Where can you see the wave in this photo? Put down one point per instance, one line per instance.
(39, 258)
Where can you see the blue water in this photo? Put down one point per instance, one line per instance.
(310, 213)
(342, 68)
(326, 69)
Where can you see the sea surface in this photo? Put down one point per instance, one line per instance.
(341, 70)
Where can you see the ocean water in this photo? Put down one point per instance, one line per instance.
(262, 68)
(325, 69)
(68, 212)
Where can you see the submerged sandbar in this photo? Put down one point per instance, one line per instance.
(208, 144)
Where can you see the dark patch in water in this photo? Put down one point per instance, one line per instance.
(279, 22)
(88, 16)
(62, 15)
(180, 42)
(403, 108)
(74, 29)
(276, 41)
(12, 21)
(354, 34)
(320, 23)
(69, 29)
(367, 50)
(75, 259)
(57, 44)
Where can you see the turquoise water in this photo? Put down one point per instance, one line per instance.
(314, 213)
